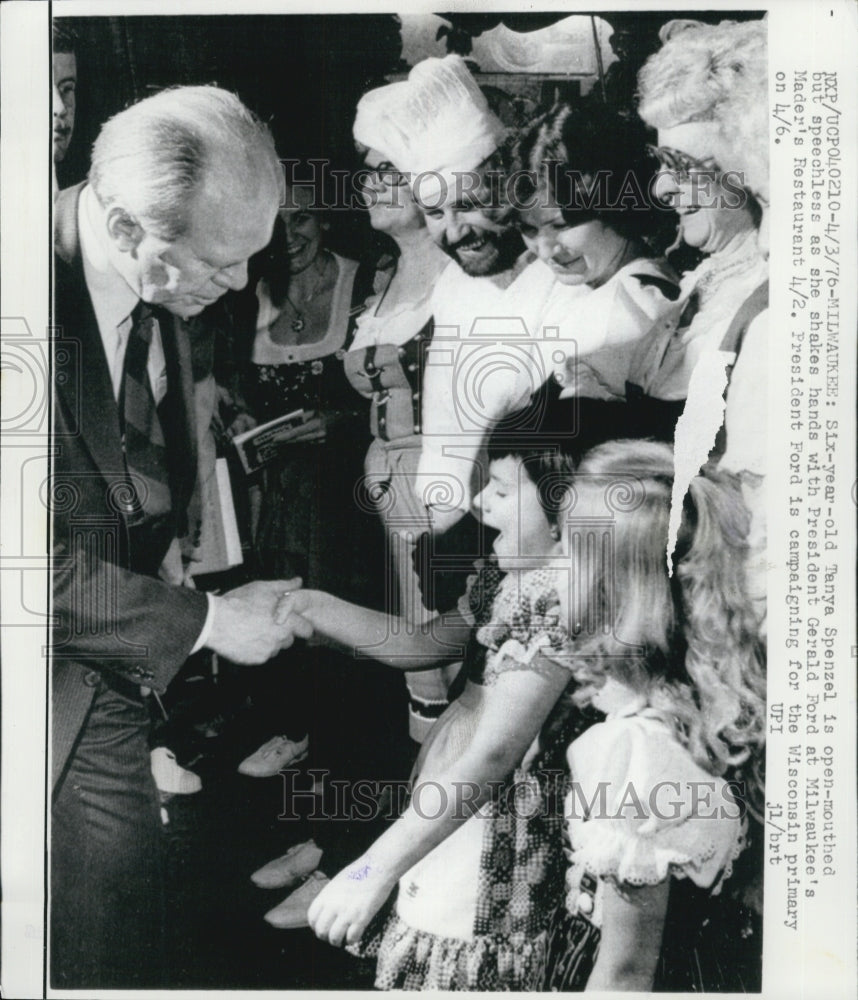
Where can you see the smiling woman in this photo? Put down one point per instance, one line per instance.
(586, 254)
(385, 363)
(583, 177)
(305, 309)
(711, 205)
(683, 88)
(576, 166)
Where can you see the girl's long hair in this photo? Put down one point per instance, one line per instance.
(690, 640)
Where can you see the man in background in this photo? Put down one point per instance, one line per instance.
(64, 68)
(487, 304)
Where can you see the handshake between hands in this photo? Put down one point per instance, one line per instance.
(252, 623)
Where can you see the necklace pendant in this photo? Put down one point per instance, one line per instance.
(298, 323)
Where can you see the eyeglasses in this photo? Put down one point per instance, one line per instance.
(387, 174)
(681, 164)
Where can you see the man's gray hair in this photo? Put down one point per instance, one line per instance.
(152, 156)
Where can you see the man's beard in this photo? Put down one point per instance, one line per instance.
(493, 253)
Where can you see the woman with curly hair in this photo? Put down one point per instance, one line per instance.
(661, 788)
(709, 84)
(706, 92)
(580, 180)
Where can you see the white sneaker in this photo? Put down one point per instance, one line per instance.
(170, 776)
(273, 756)
(292, 912)
(294, 865)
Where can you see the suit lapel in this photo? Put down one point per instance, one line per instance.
(87, 399)
(86, 393)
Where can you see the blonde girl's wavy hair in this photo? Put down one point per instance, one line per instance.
(690, 640)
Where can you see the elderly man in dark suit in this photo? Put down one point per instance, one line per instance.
(184, 188)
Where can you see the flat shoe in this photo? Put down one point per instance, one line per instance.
(282, 872)
(273, 756)
(292, 912)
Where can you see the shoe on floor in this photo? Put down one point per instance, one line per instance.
(295, 864)
(273, 756)
(292, 912)
(170, 776)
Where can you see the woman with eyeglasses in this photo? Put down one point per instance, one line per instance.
(695, 91)
(719, 217)
(384, 363)
(704, 91)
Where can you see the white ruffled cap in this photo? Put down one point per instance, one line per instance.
(435, 121)
(452, 127)
(382, 121)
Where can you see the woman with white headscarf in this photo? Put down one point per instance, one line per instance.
(385, 363)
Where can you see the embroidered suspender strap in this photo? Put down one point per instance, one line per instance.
(379, 393)
(414, 361)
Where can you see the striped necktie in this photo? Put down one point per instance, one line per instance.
(143, 435)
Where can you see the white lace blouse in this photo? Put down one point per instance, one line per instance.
(642, 810)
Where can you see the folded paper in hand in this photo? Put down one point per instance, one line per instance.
(261, 445)
(220, 542)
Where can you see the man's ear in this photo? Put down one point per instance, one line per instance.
(125, 231)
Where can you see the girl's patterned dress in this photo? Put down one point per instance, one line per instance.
(472, 915)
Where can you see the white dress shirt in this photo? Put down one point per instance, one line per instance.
(481, 364)
(114, 300)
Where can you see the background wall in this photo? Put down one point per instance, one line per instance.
(305, 73)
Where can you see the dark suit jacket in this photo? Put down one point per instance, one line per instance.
(112, 615)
